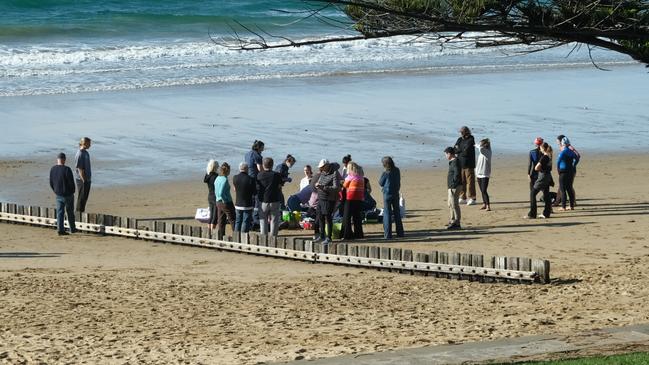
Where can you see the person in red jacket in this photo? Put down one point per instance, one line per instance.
(354, 185)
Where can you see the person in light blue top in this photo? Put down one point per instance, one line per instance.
(224, 203)
(390, 181)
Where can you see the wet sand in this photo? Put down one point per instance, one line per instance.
(95, 299)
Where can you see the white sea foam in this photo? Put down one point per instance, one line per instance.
(72, 68)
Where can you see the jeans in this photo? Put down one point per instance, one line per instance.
(65, 204)
(455, 215)
(84, 191)
(325, 217)
(390, 209)
(353, 211)
(468, 183)
(224, 211)
(547, 210)
(243, 220)
(566, 189)
(483, 183)
(293, 203)
(272, 212)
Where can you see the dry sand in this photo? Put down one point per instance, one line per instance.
(90, 299)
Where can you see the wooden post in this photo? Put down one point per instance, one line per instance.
(374, 252)
(433, 257)
(159, 226)
(512, 263)
(298, 244)
(465, 259)
(342, 249)
(308, 246)
(236, 236)
(443, 258)
(542, 268)
(364, 251)
(477, 260)
(353, 251)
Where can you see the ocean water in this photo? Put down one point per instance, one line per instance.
(74, 46)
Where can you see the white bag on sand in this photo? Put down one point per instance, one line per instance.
(203, 215)
(402, 205)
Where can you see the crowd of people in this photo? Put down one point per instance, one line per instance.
(336, 192)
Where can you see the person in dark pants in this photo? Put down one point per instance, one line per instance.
(327, 185)
(454, 185)
(209, 179)
(543, 183)
(254, 160)
(465, 153)
(224, 203)
(62, 183)
(245, 188)
(354, 189)
(483, 171)
(83, 173)
(390, 182)
(566, 162)
(533, 158)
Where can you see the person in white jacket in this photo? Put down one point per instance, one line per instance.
(483, 171)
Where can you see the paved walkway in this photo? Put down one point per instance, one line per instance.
(500, 350)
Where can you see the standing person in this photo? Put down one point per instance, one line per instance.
(83, 173)
(282, 169)
(269, 190)
(566, 162)
(254, 160)
(390, 181)
(245, 188)
(533, 158)
(354, 186)
(306, 180)
(327, 185)
(346, 160)
(542, 183)
(454, 185)
(224, 204)
(561, 142)
(465, 150)
(483, 171)
(62, 183)
(209, 179)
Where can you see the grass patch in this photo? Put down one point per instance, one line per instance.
(638, 358)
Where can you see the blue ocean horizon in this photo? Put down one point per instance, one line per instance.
(65, 46)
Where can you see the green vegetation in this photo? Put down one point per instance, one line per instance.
(640, 358)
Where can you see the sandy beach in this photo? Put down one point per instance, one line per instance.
(91, 299)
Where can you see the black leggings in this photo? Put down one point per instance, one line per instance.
(567, 191)
(483, 183)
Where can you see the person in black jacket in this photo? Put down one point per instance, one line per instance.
(245, 188)
(533, 158)
(63, 185)
(454, 184)
(465, 153)
(210, 176)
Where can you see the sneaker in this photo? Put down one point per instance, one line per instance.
(326, 241)
(528, 217)
(453, 226)
(63, 233)
(470, 202)
(461, 201)
(542, 216)
(316, 239)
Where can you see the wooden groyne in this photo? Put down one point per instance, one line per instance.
(453, 265)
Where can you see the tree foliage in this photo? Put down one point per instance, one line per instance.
(618, 25)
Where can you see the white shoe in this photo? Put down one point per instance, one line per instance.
(470, 202)
(541, 216)
(461, 201)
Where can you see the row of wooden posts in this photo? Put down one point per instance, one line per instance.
(468, 266)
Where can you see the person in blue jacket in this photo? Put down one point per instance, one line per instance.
(566, 165)
(390, 181)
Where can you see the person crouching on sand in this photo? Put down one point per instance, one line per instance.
(543, 183)
(454, 185)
